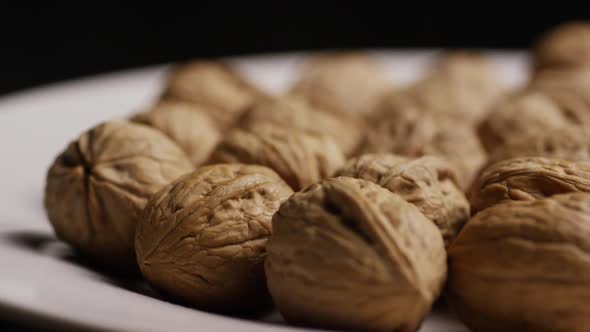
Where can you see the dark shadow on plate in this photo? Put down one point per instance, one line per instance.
(47, 244)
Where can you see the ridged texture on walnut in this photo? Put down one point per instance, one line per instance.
(430, 183)
(462, 86)
(566, 45)
(97, 188)
(409, 131)
(187, 124)
(349, 82)
(524, 266)
(202, 238)
(364, 259)
(528, 178)
(299, 158)
(571, 144)
(533, 111)
(213, 84)
(289, 111)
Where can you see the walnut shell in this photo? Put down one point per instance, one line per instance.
(406, 130)
(365, 259)
(202, 238)
(462, 86)
(566, 45)
(186, 124)
(299, 158)
(430, 183)
(528, 178)
(571, 144)
(289, 111)
(569, 78)
(98, 186)
(524, 266)
(349, 82)
(533, 111)
(213, 84)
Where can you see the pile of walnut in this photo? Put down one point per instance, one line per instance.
(348, 202)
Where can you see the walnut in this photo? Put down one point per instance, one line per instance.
(299, 158)
(565, 45)
(350, 82)
(212, 84)
(573, 79)
(202, 238)
(462, 87)
(565, 143)
(533, 111)
(528, 178)
(407, 130)
(186, 124)
(348, 254)
(430, 183)
(98, 186)
(346, 129)
(523, 266)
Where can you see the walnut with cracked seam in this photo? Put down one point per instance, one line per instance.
(348, 254)
(430, 183)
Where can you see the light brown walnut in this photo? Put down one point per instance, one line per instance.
(411, 132)
(349, 82)
(202, 238)
(97, 188)
(462, 87)
(533, 111)
(430, 183)
(528, 178)
(299, 158)
(566, 143)
(348, 254)
(293, 112)
(213, 84)
(186, 124)
(567, 45)
(524, 266)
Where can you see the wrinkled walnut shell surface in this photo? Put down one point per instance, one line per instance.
(186, 124)
(202, 238)
(348, 82)
(292, 112)
(524, 266)
(97, 188)
(364, 258)
(430, 183)
(299, 158)
(213, 84)
(528, 178)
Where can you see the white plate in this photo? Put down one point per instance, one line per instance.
(41, 281)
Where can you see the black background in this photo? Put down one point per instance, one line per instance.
(45, 45)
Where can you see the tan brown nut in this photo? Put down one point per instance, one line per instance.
(97, 188)
(213, 84)
(528, 178)
(289, 111)
(566, 45)
(430, 183)
(202, 238)
(566, 143)
(533, 111)
(409, 131)
(349, 82)
(186, 124)
(299, 158)
(349, 254)
(524, 266)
